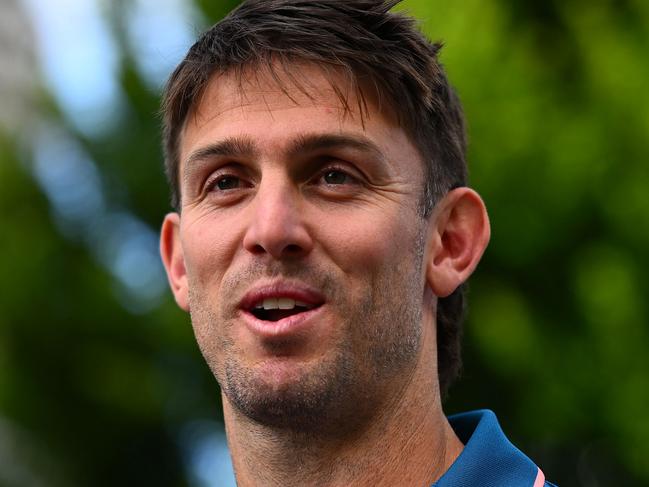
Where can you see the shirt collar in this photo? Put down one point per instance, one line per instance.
(488, 459)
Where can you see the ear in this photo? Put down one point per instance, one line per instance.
(459, 233)
(173, 259)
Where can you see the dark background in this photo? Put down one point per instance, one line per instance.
(101, 382)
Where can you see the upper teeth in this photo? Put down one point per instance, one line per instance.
(280, 303)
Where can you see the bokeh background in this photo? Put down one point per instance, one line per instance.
(100, 380)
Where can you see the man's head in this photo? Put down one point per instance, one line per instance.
(380, 53)
(307, 144)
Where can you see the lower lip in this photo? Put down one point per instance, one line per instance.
(286, 327)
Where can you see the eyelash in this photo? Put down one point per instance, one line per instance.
(212, 182)
(353, 179)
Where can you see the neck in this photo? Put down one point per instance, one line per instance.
(408, 441)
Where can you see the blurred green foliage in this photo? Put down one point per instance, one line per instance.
(557, 99)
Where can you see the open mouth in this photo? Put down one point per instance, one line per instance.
(275, 309)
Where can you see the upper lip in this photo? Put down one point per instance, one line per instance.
(292, 290)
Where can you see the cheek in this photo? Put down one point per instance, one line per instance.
(208, 245)
(370, 241)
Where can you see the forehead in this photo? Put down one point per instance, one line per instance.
(278, 86)
(273, 107)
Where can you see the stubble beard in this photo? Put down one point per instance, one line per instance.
(380, 346)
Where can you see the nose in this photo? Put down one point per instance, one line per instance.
(277, 226)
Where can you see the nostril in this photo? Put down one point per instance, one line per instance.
(287, 251)
(278, 239)
(292, 249)
(258, 249)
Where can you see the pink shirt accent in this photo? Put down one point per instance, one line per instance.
(540, 479)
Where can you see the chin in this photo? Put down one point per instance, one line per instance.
(284, 394)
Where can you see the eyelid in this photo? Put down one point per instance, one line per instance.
(354, 174)
(233, 170)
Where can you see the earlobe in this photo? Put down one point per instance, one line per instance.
(173, 259)
(459, 234)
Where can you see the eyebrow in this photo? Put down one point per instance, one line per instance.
(305, 144)
(245, 147)
(232, 147)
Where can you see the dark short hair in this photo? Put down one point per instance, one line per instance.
(376, 49)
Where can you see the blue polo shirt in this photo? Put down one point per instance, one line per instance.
(488, 458)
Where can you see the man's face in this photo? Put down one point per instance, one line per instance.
(300, 248)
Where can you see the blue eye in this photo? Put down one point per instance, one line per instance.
(228, 182)
(336, 177)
